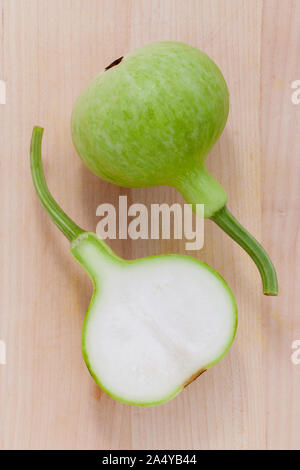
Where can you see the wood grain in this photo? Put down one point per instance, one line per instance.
(49, 49)
(280, 140)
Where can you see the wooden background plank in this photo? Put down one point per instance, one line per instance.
(280, 125)
(49, 49)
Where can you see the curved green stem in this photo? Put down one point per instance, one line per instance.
(63, 222)
(231, 226)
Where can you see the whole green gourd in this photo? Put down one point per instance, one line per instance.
(150, 119)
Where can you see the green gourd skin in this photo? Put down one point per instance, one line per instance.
(112, 278)
(151, 119)
(133, 128)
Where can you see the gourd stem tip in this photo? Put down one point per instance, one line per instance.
(237, 232)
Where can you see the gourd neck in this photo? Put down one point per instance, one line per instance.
(87, 248)
(92, 253)
(197, 186)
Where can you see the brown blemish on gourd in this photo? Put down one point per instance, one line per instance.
(114, 63)
(194, 377)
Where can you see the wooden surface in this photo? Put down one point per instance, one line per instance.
(49, 49)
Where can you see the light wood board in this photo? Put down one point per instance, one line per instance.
(49, 50)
